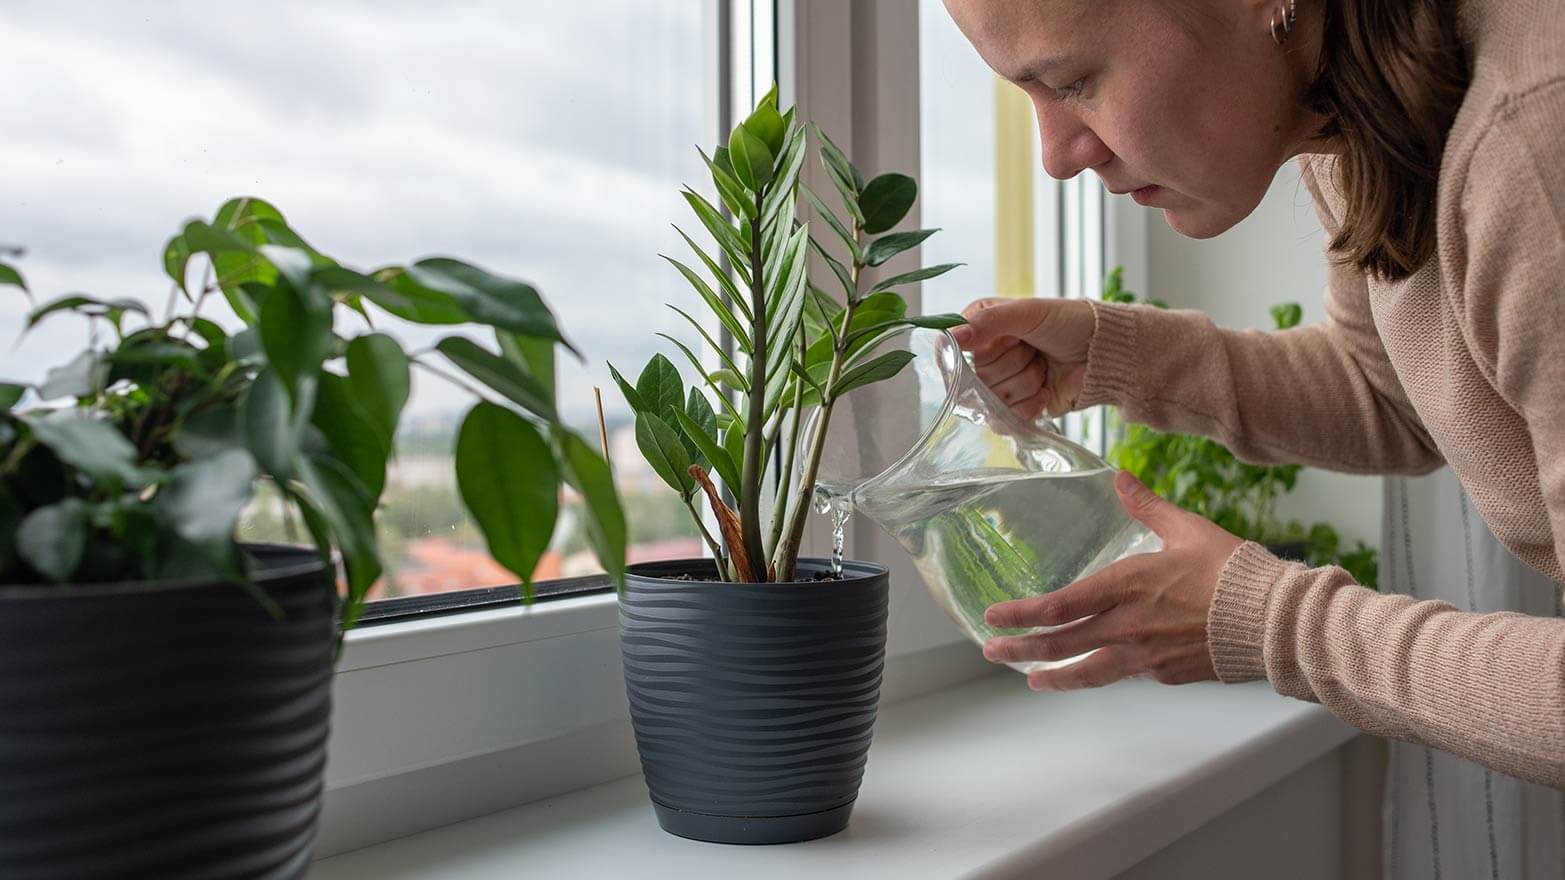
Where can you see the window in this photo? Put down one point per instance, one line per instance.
(542, 140)
(1021, 232)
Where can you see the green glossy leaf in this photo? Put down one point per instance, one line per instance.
(943, 321)
(711, 343)
(914, 276)
(733, 444)
(835, 161)
(201, 500)
(83, 376)
(51, 539)
(661, 388)
(737, 249)
(883, 367)
(716, 455)
(713, 302)
(886, 200)
(767, 126)
(830, 217)
(534, 355)
(887, 246)
(665, 452)
(89, 444)
(348, 512)
(589, 474)
(785, 178)
(1287, 315)
(156, 354)
(735, 295)
(730, 379)
(490, 299)
(728, 186)
(354, 436)
(498, 374)
(295, 328)
(84, 305)
(843, 276)
(379, 372)
(10, 395)
(272, 431)
(403, 296)
(509, 482)
(751, 157)
(632, 396)
(710, 379)
(10, 276)
(210, 432)
(698, 410)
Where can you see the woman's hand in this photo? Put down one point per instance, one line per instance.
(1144, 615)
(1031, 352)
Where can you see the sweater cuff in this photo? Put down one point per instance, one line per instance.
(1111, 356)
(1236, 625)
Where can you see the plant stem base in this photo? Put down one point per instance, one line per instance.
(753, 830)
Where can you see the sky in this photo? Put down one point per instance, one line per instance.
(548, 141)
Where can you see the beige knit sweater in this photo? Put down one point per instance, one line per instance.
(1461, 364)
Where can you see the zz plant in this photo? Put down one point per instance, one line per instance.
(795, 345)
(145, 450)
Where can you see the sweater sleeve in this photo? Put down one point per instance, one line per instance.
(1323, 395)
(1512, 299)
(1489, 687)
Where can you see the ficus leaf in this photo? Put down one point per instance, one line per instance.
(379, 372)
(201, 500)
(490, 299)
(10, 276)
(509, 482)
(52, 538)
(89, 444)
(498, 374)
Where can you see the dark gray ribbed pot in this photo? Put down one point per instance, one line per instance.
(164, 730)
(753, 704)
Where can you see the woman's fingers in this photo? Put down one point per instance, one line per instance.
(1104, 667)
(1024, 383)
(1094, 594)
(1057, 644)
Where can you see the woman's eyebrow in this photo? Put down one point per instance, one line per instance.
(1039, 68)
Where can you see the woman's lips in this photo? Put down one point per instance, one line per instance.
(1144, 195)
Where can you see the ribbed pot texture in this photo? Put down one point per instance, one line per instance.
(753, 704)
(165, 731)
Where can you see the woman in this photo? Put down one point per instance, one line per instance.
(1432, 137)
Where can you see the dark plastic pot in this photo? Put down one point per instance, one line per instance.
(753, 704)
(165, 730)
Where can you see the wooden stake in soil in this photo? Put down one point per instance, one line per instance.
(603, 429)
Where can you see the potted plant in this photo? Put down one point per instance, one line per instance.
(166, 690)
(753, 676)
(1201, 475)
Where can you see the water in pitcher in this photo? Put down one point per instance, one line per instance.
(984, 536)
(990, 507)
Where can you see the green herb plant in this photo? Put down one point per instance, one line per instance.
(794, 345)
(140, 454)
(1201, 475)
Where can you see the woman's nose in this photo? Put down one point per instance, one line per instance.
(1069, 146)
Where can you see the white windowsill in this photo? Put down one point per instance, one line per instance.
(982, 779)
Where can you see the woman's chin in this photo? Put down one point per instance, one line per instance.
(1199, 221)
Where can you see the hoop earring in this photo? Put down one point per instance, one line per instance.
(1284, 17)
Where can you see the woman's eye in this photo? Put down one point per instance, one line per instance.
(1073, 90)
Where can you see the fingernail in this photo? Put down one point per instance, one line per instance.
(1126, 482)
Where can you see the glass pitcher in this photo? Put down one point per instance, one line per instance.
(992, 507)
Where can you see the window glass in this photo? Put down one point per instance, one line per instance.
(542, 140)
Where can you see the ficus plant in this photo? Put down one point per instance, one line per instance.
(795, 346)
(1201, 475)
(134, 460)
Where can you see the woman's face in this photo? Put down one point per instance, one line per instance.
(1187, 104)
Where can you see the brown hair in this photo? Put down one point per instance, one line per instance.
(1392, 76)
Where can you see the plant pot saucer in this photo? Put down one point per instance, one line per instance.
(753, 830)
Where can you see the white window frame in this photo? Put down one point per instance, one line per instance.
(442, 719)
